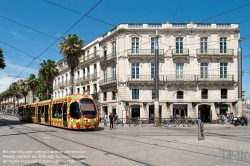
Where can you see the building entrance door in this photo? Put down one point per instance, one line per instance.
(205, 113)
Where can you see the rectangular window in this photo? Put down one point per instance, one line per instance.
(179, 94)
(135, 45)
(179, 45)
(135, 93)
(114, 73)
(179, 71)
(57, 110)
(223, 70)
(223, 45)
(78, 90)
(105, 75)
(88, 72)
(203, 45)
(114, 49)
(223, 93)
(153, 45)
(152, 70)
(113, 95)
(135, 70)
(104, 53)
(204, 70)
(94, 51)
(204, 94)
(95, 71)
(153, 93)
(104, 96)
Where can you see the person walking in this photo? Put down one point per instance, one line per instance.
(105, 119)
(228, 119)
(111, 121)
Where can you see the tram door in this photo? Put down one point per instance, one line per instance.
(39, 114)
(65, 114)
(46, 114)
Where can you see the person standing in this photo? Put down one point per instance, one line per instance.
(111, 120)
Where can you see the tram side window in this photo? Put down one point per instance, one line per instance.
(75, 110)
(32, 111)
(57, 111)
(42, 111)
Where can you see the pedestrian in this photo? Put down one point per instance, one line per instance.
(111, 120)
(228, 119)
(105, 119)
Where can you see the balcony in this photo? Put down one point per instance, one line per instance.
(144, 54)
(204, 96)
(85, 79)
(218, 80)
(107, 83)
(180, 80)
(108, 59)
(215, 54)
(61, 85)
(62, 68)
(92, 58)
(94, 76)
(180, 53)
(144, 80)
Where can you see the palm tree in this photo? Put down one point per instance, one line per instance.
(33, 84)
(71, 48)
(14, 89)
(2, 63)
(24, 89)
(48, 71)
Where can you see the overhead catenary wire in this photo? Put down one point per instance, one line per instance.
(55, 41)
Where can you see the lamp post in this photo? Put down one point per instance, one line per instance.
(240, 78)
(156, 104)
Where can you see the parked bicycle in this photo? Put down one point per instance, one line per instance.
(140, 122)
(161, 123)
(118, 121)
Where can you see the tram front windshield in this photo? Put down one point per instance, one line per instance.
(87, 107)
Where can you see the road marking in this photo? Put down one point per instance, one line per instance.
(46, 137)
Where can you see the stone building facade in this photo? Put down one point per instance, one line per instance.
(197, 70)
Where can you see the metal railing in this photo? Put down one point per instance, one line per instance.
(107, 81)
(208, 52)
(89, 57)
(223, 96)
(135, 96)
(144, 78)
(215, 77)
(184, 52)
(108, 57)
(144, 52)
(204, 96)
(183, 77)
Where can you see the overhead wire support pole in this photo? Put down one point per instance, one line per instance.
(240, 78)
(156, 105)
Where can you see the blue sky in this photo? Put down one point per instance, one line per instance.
(21, 44)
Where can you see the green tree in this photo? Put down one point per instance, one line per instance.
(71, 48)
(2, 63)
(41, 91)
(14, 90)
(24, 89)
(33, 84)
(48, 72)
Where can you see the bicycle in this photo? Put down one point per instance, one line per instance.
(118, 121)
(140, 122)
(130, 122)
(161, 123)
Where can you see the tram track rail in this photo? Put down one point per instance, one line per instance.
(71, 141)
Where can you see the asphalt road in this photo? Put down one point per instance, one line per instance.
(33, 144)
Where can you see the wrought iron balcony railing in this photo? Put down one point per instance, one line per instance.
(107, 81)
(89, 57)
(215, 77)
(144, 78)
(211, 52)
(144, 52)
(180, 52)
(204, 96)
(179, 96)
(108, 57)
(181, 77)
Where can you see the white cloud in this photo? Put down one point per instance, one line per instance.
(16, 34)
